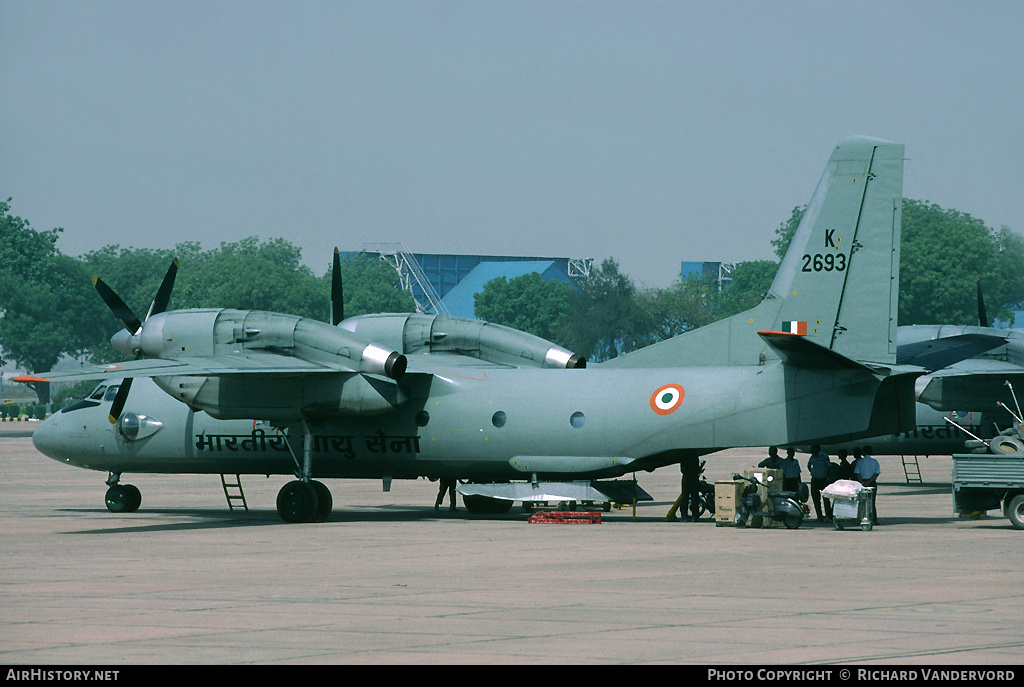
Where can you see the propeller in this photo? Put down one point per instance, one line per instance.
(133, 324)
(337, 300)
(982, 316)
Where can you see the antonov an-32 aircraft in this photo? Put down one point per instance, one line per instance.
(402, 396)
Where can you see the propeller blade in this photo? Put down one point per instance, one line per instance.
(163, 294)
(120, 399)
(337, 299)
(117, 306)
(982, 316)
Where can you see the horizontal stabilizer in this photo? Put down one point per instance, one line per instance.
(800, 351)
(936, 354)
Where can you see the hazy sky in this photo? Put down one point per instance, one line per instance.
(651, 132)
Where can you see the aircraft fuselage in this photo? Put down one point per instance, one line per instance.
(487, 424)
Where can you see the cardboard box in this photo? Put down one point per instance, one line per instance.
(771, 477)
(727, 498)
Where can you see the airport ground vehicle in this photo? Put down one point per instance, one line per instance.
(788, 506)
(988, 481)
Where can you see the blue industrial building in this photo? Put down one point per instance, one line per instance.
(446, 283)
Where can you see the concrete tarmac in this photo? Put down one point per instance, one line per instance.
(387, 580)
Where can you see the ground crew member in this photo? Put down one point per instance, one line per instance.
(690, 466)
(867, 470)
(790, 471)
(773, 461)
(818, 466)
(447, 485)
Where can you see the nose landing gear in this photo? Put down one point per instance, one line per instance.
(122, 498)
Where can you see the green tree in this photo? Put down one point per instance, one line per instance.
(605, 320)
(528, 303)
(685, 305)
(942, 255)
(785, 231)
(750, 283)
(370, 285)
(46, 309)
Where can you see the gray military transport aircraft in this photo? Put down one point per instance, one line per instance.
(402, 396)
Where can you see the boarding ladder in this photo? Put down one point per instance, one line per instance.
(911, 470)
(233, 492)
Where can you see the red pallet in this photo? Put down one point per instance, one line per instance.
(568, 517)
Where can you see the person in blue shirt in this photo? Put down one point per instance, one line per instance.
(866, 470)
(819, 467)
(790, 471)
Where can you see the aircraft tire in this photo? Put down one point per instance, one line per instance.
(297, 502)
(325, 502)
(1015, 511)
(1006, 446)
(123, 498)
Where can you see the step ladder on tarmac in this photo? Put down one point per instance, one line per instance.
(911, 470)
(233, 492)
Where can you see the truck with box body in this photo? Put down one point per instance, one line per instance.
(988, 481)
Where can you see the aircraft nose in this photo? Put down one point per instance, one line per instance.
(47, 436)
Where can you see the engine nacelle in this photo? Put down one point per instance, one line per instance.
(276, 394)
(475, 338)
(188, 333)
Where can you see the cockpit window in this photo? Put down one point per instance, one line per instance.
(111, 392)
(78, 405)
(98, 393)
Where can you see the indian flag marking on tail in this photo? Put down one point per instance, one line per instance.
(795, 327)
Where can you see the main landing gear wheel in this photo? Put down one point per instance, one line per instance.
(325, 502)
(300, 501)
(123, 498)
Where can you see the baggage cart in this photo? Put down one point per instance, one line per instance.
(856, 509)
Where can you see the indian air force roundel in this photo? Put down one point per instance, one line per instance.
(667, 398)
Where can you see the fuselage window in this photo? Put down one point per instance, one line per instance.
(577, 419)
(499, 419)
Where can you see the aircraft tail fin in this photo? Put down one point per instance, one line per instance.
(838, 284)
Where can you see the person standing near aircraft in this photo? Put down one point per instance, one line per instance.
(790, 471)
(867, 470)
(819, 467)
(773, 461)
(447, 485)
(690, 466)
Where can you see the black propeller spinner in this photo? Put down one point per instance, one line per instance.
(133, 324)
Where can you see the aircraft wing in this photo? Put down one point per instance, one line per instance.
(199, 366)
(936, 354)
